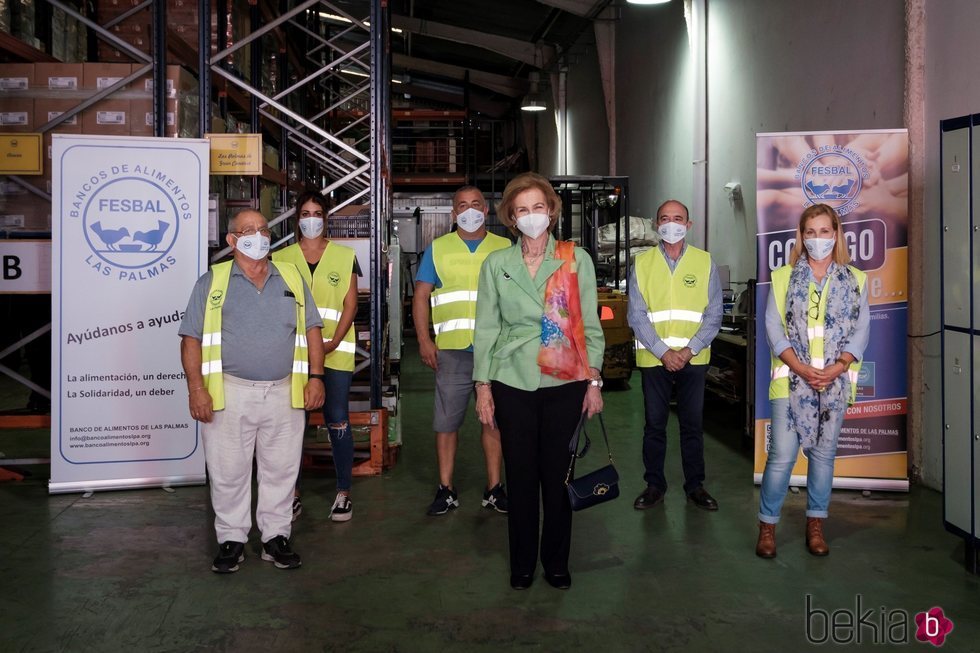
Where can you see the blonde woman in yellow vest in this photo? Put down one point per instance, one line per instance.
(331, 271)
(447, 280)
(675, 312)
(253, 357)
(817, 325)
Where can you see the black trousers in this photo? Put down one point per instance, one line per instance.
(657, 386)
(535, 428)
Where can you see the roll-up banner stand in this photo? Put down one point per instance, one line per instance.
(863, 175)
(129, 239)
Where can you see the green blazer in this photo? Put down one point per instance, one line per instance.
(509, 308)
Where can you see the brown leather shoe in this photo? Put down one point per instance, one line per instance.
(766, 546)
(815, 543)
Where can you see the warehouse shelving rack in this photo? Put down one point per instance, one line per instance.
(335, 128)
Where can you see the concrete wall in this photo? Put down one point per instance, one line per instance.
(654, 91)
(586, 130)
(787, 66)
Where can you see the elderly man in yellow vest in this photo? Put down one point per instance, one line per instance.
(253, 356)
(447, 279)
(675, 312)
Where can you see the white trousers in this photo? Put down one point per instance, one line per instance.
(258, 421)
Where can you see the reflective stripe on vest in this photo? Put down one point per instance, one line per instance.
(346, 347)
(454, 304)
(675, 301)
(329, 284)
(779, 375)
(211, 339)
(454, 325)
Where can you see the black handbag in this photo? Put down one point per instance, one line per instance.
(595, 487)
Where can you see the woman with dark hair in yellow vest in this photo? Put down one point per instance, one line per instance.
(331, 272)
(817, 324)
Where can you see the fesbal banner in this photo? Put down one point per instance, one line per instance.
(129, 239)
(863, 175)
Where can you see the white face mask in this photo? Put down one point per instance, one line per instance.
(255, 246)
(672, 232)
(470, 220)
(533, 225)
(311, 227)
(819, 248)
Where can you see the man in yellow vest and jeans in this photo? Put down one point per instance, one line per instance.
(675, 312)
(253, 356)
(447, 279)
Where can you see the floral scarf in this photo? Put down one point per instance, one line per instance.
(809, 410)
(563, 354)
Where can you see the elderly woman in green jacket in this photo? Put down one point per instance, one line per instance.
(537, 354)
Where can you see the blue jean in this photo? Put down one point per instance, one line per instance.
(784, 446)
(335, 412)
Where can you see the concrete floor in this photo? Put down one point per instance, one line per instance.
(128, 571)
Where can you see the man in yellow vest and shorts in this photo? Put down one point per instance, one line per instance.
(675, 312)
(447, 279)
(253, 356)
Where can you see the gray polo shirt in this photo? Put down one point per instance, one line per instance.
(258, 327)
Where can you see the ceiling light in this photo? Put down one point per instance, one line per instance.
(533, 104)
(534, 100)
(647, 2)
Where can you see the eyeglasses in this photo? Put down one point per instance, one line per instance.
(251, 231)
(814, 310)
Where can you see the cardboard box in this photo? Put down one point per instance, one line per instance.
(26, 213)
(182, 90)
(97, 76)
(16, 77)
(47, 109)
(179, 81)
(16, 114)
(110, 116)
(58, 76)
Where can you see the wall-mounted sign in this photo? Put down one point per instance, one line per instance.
(235, 154)
(25, 266)
(20, 154)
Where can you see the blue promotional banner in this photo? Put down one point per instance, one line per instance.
(129, 239)
(864, 177)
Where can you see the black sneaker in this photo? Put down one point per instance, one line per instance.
(277, 551)
(446, 500)
(495, 499)
(229, 555)
(297, 508)
(342, 509)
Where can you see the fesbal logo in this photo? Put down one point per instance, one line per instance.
(832, 175)
(130, 219)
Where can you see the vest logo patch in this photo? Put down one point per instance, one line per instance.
(333, 278)
(690, 280)
(216, 297)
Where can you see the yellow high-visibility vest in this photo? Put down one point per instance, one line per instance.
(329, 283)
(454, 305)
(676, 300)
(211, 340)
(779, 374)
